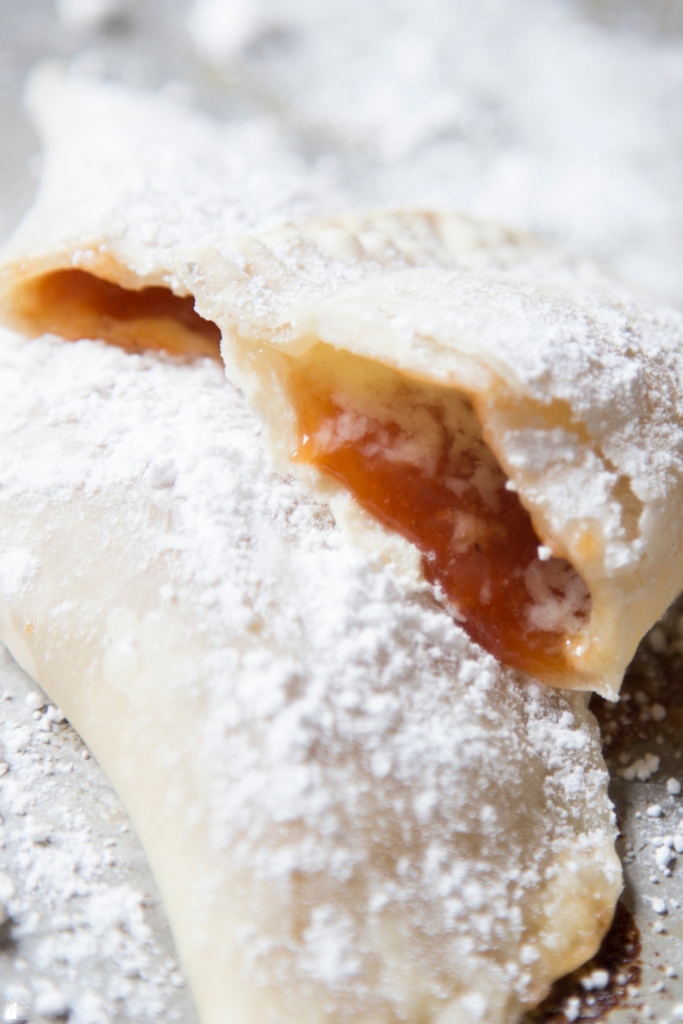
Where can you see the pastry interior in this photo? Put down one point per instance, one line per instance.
(76, 304)
(410, 452)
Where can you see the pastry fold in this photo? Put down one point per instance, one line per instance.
(574, 383)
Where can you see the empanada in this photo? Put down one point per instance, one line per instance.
(564, 385)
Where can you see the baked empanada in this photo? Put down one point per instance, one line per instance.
(536, 481)
(279, 655)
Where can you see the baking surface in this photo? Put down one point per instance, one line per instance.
(565, 120)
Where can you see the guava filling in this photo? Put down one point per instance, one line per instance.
(75, 304)
(413, 456)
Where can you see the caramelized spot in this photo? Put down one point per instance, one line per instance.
(75, 304)
(619, 956)
(412, 456)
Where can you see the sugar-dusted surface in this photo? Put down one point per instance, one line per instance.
(380, 793)
(24, 974)
(532, 114)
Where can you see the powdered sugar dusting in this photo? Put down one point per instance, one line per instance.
(530, 114)
(370, 776)
(225, 179)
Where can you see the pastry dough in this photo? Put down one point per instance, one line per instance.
(576, 385)
(353, 812)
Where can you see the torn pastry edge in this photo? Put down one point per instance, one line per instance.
(486, 389)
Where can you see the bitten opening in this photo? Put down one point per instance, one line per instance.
(412, 454)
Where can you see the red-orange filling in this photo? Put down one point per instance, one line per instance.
(76, 304)
(477, 542)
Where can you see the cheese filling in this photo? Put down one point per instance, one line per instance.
(411, 453)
